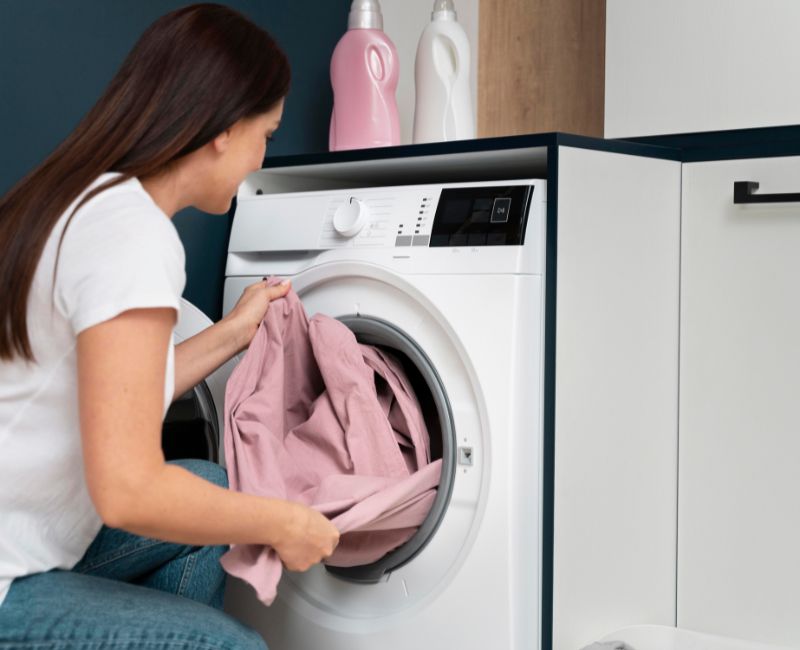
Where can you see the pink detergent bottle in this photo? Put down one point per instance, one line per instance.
(364, 73)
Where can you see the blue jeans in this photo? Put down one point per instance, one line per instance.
(128, 592)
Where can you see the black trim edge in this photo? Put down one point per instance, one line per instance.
(473, 146)
(549, 403)
(702, 146)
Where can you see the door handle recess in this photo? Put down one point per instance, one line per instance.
(744, 192)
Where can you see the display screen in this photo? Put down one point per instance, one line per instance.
(481, 216)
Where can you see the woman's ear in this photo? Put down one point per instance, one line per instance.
(222, 141)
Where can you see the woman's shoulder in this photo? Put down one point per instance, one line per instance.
(126, 198)
(120, 251)
(123, 212)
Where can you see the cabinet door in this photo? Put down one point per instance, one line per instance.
(739, 425)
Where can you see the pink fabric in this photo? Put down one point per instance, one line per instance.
(311, 415)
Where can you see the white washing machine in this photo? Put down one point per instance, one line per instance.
(451, 277)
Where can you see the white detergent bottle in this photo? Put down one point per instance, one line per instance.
(443, 108)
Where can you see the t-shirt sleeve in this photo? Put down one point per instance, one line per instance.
(115, 258)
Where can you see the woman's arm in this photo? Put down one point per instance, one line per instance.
(196, 358)
(121, 366)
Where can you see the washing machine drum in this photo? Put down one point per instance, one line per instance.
(437, 412)
(192, 426)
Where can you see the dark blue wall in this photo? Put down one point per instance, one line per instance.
(56, 57)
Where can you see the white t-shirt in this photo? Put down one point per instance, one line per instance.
(120, 252)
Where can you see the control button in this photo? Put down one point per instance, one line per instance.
(482, 204)
(501, 210)
(440, 240)
(421, 240)
(458, 240)
(350, 218)
(476, 239)
(480, 216)
(496, 239)
(403, 240)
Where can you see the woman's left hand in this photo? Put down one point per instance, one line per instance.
(252, 307)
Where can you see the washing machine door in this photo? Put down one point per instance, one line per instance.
(386, 309)
(193, 425)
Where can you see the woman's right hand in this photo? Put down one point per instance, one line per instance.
(307, 539)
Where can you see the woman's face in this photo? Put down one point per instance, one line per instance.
(240, 151)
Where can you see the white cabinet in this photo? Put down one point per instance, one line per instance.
(739, 423)
(616, 394)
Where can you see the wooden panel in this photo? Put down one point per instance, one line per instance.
(541, 67)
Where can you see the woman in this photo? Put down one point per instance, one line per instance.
(102, 543)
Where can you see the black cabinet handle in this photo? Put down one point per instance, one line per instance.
(744, 192)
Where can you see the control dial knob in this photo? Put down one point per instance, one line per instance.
(350, 218)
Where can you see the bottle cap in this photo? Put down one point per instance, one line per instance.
(444, 10)
(365, 14)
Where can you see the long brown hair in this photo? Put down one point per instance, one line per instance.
(191, 75)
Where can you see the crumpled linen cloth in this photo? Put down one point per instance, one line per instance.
(311, 415)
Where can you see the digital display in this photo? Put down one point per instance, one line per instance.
(481, 216)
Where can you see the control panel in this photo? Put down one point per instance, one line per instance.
(429, 216)
(407, 219)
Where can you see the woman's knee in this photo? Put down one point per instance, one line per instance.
(249, 640)
(205, 469)
(56, 604)
(230, 633)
